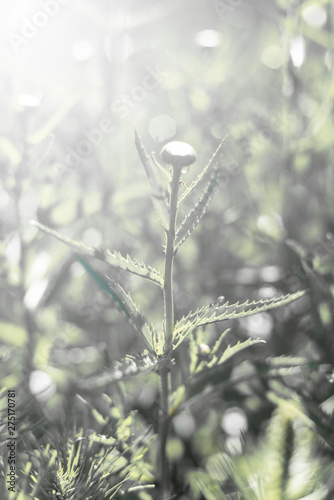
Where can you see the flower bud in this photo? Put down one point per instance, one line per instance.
(178, 154)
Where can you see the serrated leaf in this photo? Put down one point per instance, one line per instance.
(228, 353)
(114, 259)
(192, 219)
(159, 342)
(216, 371)
(219, 342)
(130, 366)
(205, 175)
(124, 301)
(158, 198)
(217, 312)
(103, 440)
(176, 398)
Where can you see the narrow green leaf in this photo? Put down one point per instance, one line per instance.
(205, 175)
(192, 219)
(218, 344)
(217, 312)
(299, 249)
(216, 371)
(124, 301)
(228, 353)
(114, 259)
(158, 198)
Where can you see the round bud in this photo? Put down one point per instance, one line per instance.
(178, 154)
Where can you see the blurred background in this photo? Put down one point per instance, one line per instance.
(76, 79)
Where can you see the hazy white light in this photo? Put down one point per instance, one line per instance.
(118, 47)
(297, 51)
(267, 292)
(272, 56)
(4, 198)
(272, 226)
(328, 59)
(260, 325)
(271, 273)
(82, 50)
(234, 421)
(39, 267)
(28, 100)
(91, 354)
(41, 385)
(76, 355)
(162, 127)
(308, 106)
(208, 38)
(13, 249)
(233, 445)
(92, 237)
(77, 270)
(315, 16)
(35, 293)
(184, 425)
(247, 275)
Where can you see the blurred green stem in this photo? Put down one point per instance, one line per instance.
(169, 325)
(27, 317)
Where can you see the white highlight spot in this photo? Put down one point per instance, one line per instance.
(82, 50)
(41, 385)
(272, 56)
(208, 38)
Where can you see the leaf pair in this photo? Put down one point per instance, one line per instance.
(205, 184)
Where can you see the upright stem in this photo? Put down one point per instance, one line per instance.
(168, 285)
(169, 325)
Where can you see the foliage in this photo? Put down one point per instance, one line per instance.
(225, 398)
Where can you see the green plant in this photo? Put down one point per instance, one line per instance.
(206, 364)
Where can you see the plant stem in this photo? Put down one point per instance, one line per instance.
(168, 284)
(163, 432)
(169, 325)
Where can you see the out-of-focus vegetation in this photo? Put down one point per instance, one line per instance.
(76, 79)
